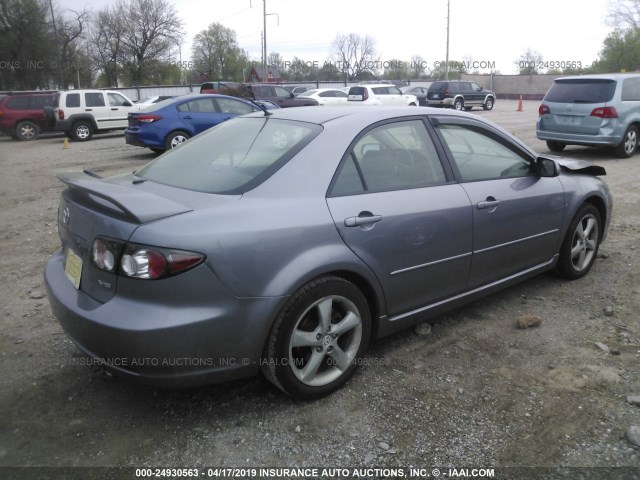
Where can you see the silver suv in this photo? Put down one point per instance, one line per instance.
(81, 113)
(592, 110)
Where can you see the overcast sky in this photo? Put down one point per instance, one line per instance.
(492, 31)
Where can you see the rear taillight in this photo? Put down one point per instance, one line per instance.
(604, 112)
(60, 114)
(446, 91)
(141, 261)
(104, 253)
(543, 109)
(147, 118)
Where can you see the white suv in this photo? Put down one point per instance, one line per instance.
(81, 113)
(381, 94)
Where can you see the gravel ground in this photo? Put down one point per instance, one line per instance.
(468, 389)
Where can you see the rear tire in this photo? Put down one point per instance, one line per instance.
(580, 246)
(629, 143)
(315, 342)
(82, 131)
(27, 130)
(175, 139)
(555, 146)
(458, 104)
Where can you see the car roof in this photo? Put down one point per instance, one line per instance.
(601, 76)
(322, 115)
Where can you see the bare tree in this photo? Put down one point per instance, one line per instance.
(529, 62)
(418, 67)
(69, 31)
(151, 30)
(624, 14)
(105, 43)
(355, 55)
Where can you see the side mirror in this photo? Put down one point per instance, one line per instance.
(546, 167)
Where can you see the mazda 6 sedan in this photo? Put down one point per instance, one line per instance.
(285, 241)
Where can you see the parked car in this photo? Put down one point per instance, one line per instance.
(326, 96)
(271, 93)
(221, 87)
(147, 102)
(297, 89)
(169, 123)
(459, 94)
(380, 94)
(286, 242)
(22, 114)
(592, 110)
(419, 92)
(81, 113)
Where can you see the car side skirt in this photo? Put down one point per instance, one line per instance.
(389, 325)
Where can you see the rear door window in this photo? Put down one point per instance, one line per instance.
(581, 90)
(94, 99)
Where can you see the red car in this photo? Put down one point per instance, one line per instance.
(22, 114)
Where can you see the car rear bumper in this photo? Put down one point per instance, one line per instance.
(161, 340)
(447, 102)
(578, 139)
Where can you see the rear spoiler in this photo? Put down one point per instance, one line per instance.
(137, 205)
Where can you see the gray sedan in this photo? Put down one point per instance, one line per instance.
(285, 242)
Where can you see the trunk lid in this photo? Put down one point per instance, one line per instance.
(113, 208)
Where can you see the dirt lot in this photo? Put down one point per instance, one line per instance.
(474, 392)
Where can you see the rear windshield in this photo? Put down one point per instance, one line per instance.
(233, 157)
(581, 91)
(438, 86)
(357, 90)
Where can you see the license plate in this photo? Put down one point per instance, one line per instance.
(567, 120)
(434, 95)
(73, 268)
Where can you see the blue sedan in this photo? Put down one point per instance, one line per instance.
(169, 123)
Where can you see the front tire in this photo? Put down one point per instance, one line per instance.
(317, 338)
(580, 246)
(27, 130)
(82, 131)
(488, 105)
(629, 143)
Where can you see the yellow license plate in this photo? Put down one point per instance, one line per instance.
(73, 268)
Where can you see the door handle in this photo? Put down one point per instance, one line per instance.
(114, 108)
(88, 109)
(490, 202)
(188, 117)
(361, 220)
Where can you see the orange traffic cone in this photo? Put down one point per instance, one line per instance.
(519, 105)
(66, 143)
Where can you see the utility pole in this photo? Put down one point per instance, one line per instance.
(264, 38)
(446, 61)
